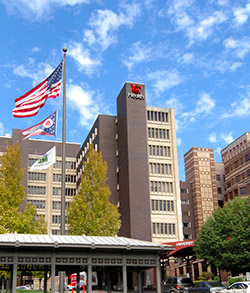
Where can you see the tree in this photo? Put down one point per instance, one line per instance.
(224, 239)
(12, 193)
(90, 212)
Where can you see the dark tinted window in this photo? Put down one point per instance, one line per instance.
(186, 280)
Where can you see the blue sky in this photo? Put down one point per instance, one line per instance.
(192, 55)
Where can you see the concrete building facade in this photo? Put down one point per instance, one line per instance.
(43, 187)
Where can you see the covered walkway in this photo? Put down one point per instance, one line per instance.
(123, 257)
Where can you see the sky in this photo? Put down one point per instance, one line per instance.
(193, 56)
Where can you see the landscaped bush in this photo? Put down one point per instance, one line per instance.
(234, 280)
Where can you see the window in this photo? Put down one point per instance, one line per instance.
(247, 157)
(219, 191)
(243, 190)
(36, 190)
(39, 204)
(184, 190)
(36, 176)
(248, 172)
(163, 228)
(185, 201)
(218, 177)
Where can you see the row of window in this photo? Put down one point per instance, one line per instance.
(237, 163)
(58, 164)
(37, 176)
(157, 116)
(162, 205)
(238, 178)
(158, 133)
(68, 165)
(39, 204)
(232, 194)
(68, 191)
(56, 190)
(157, 168)
(68, 178)
(56, 219)
(57, 205)
(156, 150)
(163, 228)
(36, 190)
(161, 186)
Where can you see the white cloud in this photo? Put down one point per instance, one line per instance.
(139, 53)
(105, 22)
(227, 138)
(240, 109)
(174, 103)
(203, 107)
(37, 9)
(179, 142)
(164, 79)
(202, 30)
(183, 20)
(218, 151)
(188, 58)
(178, 6)
(36, 71)
(241, 46)
(205, 104)
(2, 129)
(83, 101)
(241, 15)
(212, 137)
(235, 66)
(83, 59)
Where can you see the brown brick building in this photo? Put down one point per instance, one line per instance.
(139, 146)
(200, 171)
(236, 159)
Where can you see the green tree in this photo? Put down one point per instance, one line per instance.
(90, 212)
(12, 194)
(224, 239)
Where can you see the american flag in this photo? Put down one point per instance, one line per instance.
(29, 104)
(47, 127)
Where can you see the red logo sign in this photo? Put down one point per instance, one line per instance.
(135, 88)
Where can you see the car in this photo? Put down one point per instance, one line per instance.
(206, 287)
(176, 284)
(23, 288)
(238, 287)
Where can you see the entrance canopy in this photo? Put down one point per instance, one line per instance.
(71, 253)
(182, 248)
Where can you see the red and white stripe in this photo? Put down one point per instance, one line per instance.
(29, 104)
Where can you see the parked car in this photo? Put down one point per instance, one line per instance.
(23, 288)
(176, 284)
(238, 287)
(206, 287)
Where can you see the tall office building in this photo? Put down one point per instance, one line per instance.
(43, 187)
(139, 146)
(236, 159)
(200, 171)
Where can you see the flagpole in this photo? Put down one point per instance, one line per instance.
(63, 147)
